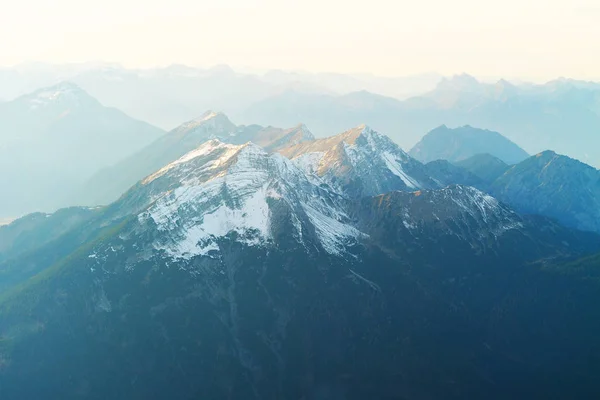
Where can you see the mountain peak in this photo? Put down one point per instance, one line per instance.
(360, 161)
(208, 115)
(216, 121)
(64, 93)
(362, 130)
(546, 154)
(463, 81)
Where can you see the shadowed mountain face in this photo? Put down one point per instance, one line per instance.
(462, 143)
(485, 166)
(54, 139)
(556, 186)
(234, 272)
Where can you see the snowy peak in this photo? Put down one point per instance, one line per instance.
(360, 161)
(64, 94)
(209, 156)
(221, 189)
(361, 135)
(272, 138)
(215, 122)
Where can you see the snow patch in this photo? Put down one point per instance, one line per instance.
(333, 234)
(396, 168)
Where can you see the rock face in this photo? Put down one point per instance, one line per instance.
(462, 143)
(556, 186)
(232, 272)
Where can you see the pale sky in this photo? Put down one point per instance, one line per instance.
(533, 39)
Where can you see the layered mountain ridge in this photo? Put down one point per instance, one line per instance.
(336, 266)
(56, 138)
(107, 185)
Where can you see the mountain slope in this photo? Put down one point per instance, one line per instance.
(556, 186)
(34, 230)
(107, 185)
(467, 221)
(359, 162)
(56, 138)
(462, 143)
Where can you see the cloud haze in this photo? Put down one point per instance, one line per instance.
(535, 40)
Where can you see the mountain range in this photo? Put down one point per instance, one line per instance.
(238, 272)
(556, 115)
(536, 117)
(367, 163)
(253, 262)
(167, 97)
(109, 183)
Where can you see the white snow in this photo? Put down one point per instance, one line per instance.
(333, 234)
(309, 162)
(215, 198)
(396, 168)
(198, 237)
(228, 151)
(64, 93)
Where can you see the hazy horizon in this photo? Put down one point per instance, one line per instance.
(90, 65)
(535, 41)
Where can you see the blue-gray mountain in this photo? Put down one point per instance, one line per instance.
(168, 96)
(553, 185)
(233, 272)
(53, 140)
(462, 143)
(484, 166)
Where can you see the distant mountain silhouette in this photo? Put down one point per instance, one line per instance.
(462, 143)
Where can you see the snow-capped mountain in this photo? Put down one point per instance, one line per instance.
(235, 262)
(56, 138)
(107, 185)
(360, 161)
(64, 96)
(220, 189)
